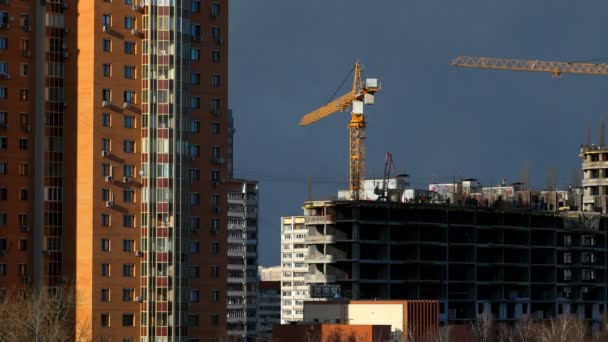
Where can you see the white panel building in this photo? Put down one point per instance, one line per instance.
(293, 254)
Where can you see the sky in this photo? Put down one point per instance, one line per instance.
(287, 57)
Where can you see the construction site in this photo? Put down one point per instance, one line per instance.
(503, 251)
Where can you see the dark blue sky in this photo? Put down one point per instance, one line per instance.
(287, 57)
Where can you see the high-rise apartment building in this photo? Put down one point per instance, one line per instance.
(113, 135)
(242, 259)
(269, 307)
(293, 280)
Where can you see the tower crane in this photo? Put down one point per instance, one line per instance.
(360, 94)
(556, 69)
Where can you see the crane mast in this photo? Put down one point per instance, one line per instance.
(361, 93)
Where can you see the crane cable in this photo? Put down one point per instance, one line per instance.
(333, 95)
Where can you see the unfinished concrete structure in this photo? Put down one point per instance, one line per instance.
(473, 260)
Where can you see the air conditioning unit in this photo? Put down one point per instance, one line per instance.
(64, 5)
(27, 128)
(135, 7)
(108, 179)
(139, 253)
(26, 27)
(217, 210)
(105, 104)
(109, 204)
(6, 77)
(25, 53)
(134, 32)
(25, 279)
(24, 228)
(66, 54)
(125, 104)
(66, 30)
(105, 153)
(105, 28)
(139, 299)
(5, 26)
(126, 179)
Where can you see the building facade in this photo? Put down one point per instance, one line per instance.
(294, 269)
(269, 306)
(474, 261)
(271, 273)
(115, 131)
(242, 249)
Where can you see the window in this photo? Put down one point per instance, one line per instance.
(23, 194)
(128, 196)
(215, 175)
(105, 320)
(128, 221)
(128, 270)
(193, 295)
(194, 174)
(194, 247)
(216, 34)
(129, 72)
(129, 48)
(128, 245)
(195, 222)
(129, 146)
(128, 170)
(195, 126)
(105, 245)
(215, 320)
(105, 144)
(106, 94)
(195, 198)
(3, 219)
(23, 144)
(215, 225)
(25, 69)
(195, 102)
(195, 32)
(215, 272)
(129, 23)
(127, 295)
(215, 128)
(129, 96)
(129, 121)
(215, 294)
(215, 81)
(3, 168)
(105, 194)
(215, 56)
(22, 244)
(193, 272)
(23, 94)
(107, 70)
(23, 169)
(3, 194)
(105, 119)
(3, 118)
(215, 9)
(196, 6)
(193, 320)
(195, 78)
(3, 93)
(107, 45)
(195, 54)
(105, 220)
(106, 20)
(105, 295)
(105, 270)
(3, 42)
(215, 106)
(215, 248)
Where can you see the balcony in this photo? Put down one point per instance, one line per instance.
(320, 239)
(319, 258)
(327, 219)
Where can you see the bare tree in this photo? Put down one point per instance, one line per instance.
(567, 328)
(482, 330)
(41, 316)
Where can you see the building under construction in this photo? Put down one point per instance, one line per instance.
(474, 260)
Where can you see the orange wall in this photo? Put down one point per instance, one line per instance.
(329, 332)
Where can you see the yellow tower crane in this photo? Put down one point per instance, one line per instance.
(360, 94)
(556, 69)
